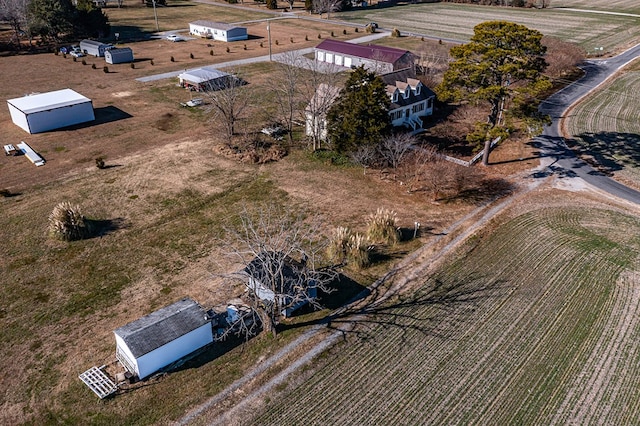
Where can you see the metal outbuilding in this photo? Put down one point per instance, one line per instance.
(52, 110)
(94, 47)
(205, 78)
(118, 56)
(163, 337)
(218, 30)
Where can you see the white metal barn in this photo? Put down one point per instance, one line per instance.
(218, 30)
(203, 79)
(154, 341)
(94, 47)
(52, 110)
(118, 56)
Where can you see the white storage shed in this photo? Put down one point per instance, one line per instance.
(218, 30)
(52, 110)
(94, 47)
(154, 341)
(118, 56)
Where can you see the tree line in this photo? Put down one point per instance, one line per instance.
(53, 21)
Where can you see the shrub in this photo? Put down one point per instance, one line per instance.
(75, 59)
(105, 69)
(348, 247)
(173, 59)
(67, 222)
(191, 55)
(245, 47)
(133, 66)
(358, 251)
(272, 4)
(211, 52)
(356, 30)
(100, 163)
(306, 37)
(55, 52)
(395, 32)
(277, 43)
(228, 50)
(261, 44)
(344, 32)
(291, 39)
(151, 62)
(381, 227)
(339, 244)
(332, 34)
(93, 66)
(84, 62)
(319, 36)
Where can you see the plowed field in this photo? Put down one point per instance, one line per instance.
(535, 323)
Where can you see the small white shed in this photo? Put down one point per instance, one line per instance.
(152, 342)
(118, 56)
(52, 110)
(218, 30)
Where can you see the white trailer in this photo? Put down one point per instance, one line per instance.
(52, 110)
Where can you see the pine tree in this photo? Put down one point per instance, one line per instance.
(360, 116)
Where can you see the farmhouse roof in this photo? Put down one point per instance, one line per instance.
(369, 51)
(403, 80)
(162, 326)
(202, 75)
(216, 25)
(46, 101)
(277, 271)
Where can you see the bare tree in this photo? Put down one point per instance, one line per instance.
(14, 12)
(395, 147)
(281, 255)
(228, 99)
(327, 6)
(287, 88)
(365, 156)
(320, 88)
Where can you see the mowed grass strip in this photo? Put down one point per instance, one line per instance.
(456, 21)
(507, 334)
(618, 6)
(606, 127)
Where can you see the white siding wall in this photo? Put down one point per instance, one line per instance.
(173, 351)
(19, 118)
(122, 347)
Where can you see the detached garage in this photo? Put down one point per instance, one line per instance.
(52, 110)
(118, 56)
(152, 342)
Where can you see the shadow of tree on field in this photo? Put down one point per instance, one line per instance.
(432, 311)
(612, 151)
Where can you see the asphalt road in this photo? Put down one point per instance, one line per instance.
(559, 157)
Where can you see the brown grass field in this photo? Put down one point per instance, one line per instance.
(163, 201)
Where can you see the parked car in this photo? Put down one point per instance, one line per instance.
(174, 37)
(75, 51)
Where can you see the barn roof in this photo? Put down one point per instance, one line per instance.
(45, 101)
(162, 326)
(216, 25)
(202, 75)
(369, 51)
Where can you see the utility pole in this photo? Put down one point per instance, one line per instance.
(155, 14)
(269, 34)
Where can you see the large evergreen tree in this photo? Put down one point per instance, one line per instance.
(360, 116)
(504, 61)
(51, 19)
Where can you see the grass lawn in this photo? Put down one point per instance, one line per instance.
(624, 6)
(534, 322)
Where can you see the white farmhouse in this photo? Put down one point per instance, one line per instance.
(410, 99)
(152, 342)
(218, 30)
(52, 110)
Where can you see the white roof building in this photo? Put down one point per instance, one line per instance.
(52, 110)
(205, 78)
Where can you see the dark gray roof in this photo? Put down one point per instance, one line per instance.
(162, 326)
(369, 51)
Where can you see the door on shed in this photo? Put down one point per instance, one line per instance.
(329, 57)
(338, 60)
(347, 62)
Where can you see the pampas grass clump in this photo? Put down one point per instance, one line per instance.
(382, 228)
(66, 222)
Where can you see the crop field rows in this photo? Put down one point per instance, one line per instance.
(606, 126)
(538, 324)
(456, 21)
(624, 6)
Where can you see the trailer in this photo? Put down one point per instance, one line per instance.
(94, 47)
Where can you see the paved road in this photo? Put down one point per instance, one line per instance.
(559, 158)
(265, 58)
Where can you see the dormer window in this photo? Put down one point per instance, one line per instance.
(395, 96)
(418, 89)
(406, 93)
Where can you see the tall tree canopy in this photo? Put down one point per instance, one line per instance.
(504, 61)
(59, 19)
(360, 116)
